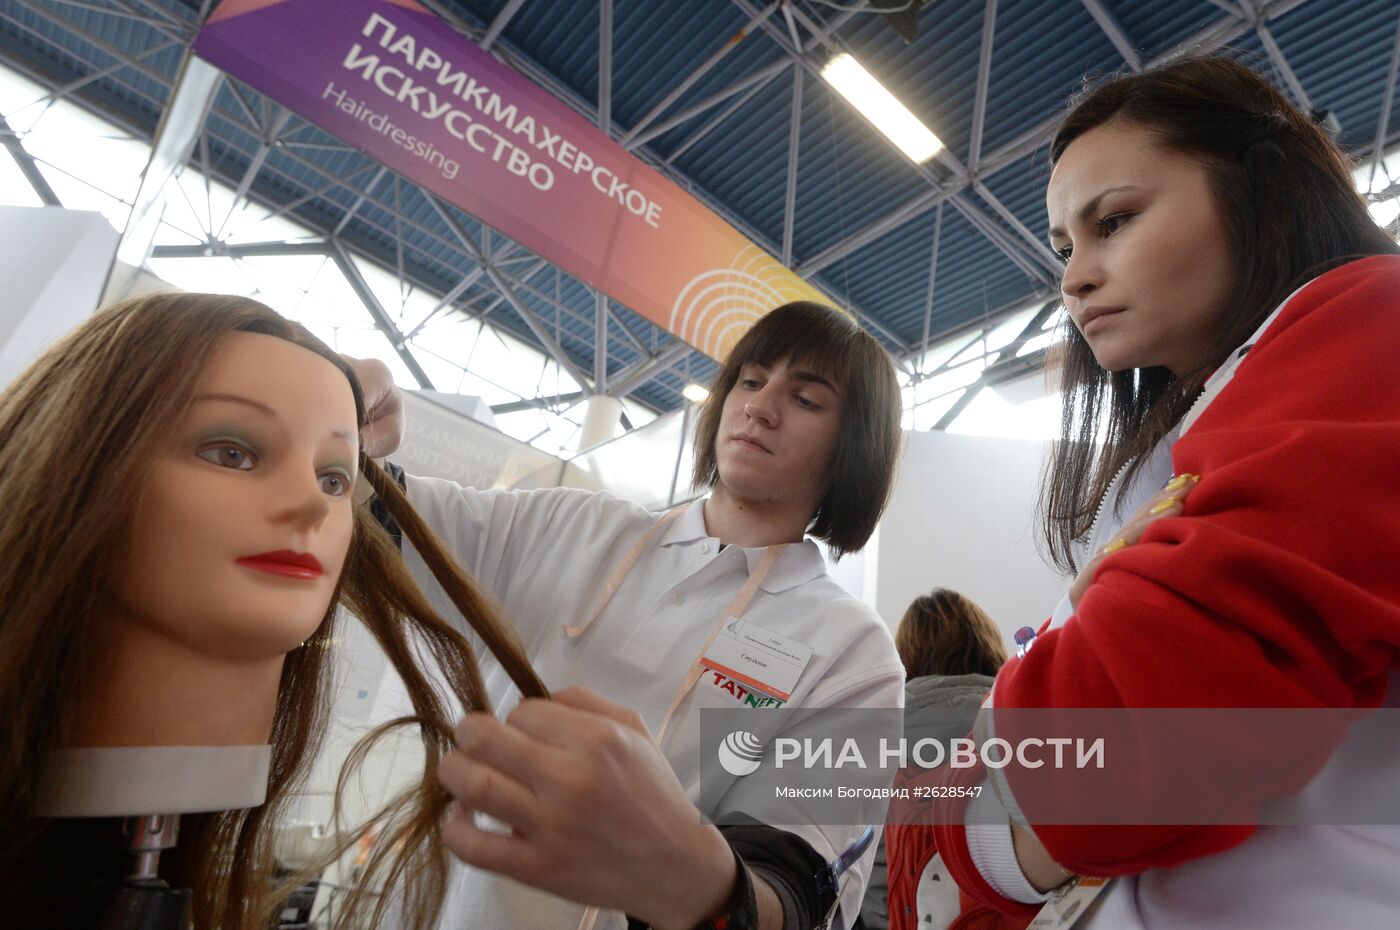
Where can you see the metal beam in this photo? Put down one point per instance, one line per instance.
(1257, 18)
(984, 74)
(1008, 352)
(959, 405)
(752, 83)
(98, 75)
(536, 325)
(499, 24)
(537, 403)
(243, 249)
(600, 344)
(1115, 32)
(274, 129)
(27, 165)
(1266, 37)
(1037, 250)
(361, 287)
(506, 286)
(629, 381)
(794, 138)
(180, 126)
(359, 201)
(161, 26)
(976, 328)
(309, 196)
(1205, 40)
(761, 76)
(704, 68)
(713, 122)
(627, 330)
(891, 221)
(457, 291)
(605, 67)
(932, 279)
(1387, 100)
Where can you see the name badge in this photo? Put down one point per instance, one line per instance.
(767, 662)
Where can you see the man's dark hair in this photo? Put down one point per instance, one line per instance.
(832, 344)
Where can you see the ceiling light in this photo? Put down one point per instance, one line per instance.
(695, 393)
(878, 105)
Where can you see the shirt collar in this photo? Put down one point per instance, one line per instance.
(799, 563)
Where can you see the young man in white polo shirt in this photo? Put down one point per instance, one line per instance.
(800, 437)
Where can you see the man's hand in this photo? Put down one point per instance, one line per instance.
(596, 815)
(383, 434)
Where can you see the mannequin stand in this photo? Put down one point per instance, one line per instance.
(126, 782)
(143, 901)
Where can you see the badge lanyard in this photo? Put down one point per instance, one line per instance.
(736, 607)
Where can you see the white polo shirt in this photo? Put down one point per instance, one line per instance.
(546, 555)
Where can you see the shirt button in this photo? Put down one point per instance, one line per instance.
(677, 599)
(704, 547)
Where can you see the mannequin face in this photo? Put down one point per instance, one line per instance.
(241, 534)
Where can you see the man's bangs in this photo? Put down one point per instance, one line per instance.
(821, 350)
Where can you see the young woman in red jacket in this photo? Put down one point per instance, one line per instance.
(1233, 317)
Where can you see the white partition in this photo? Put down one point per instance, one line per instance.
(961, 517)
(441, 442)
(649, 466)
(53, 262)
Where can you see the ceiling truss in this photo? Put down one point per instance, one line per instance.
(511, 270)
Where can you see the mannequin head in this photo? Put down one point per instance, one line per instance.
(136, 494)
(233, 554)
(91, 437)
(262, 462)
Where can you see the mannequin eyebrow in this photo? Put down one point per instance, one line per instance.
(1088, 209)
(264, 409)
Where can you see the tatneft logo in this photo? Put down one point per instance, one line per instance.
(740, 753)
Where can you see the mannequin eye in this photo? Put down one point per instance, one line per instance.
(335, 484)
(228, 456)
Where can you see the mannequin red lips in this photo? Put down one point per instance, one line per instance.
(285, 562)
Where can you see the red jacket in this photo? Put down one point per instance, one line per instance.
(1277, 587)
(908, 850)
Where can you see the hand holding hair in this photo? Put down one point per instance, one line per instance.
(596, 814)
(383, 430)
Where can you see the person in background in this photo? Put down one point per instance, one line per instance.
(951, 650)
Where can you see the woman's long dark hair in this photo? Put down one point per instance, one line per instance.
(1285, 191)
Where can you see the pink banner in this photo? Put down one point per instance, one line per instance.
(390, 78)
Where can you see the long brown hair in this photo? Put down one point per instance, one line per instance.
(1291, 212)
(833, 344)
(78, 433)
(947, 633)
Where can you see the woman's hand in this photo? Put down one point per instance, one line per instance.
(1040, 870)
(1165, 503)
